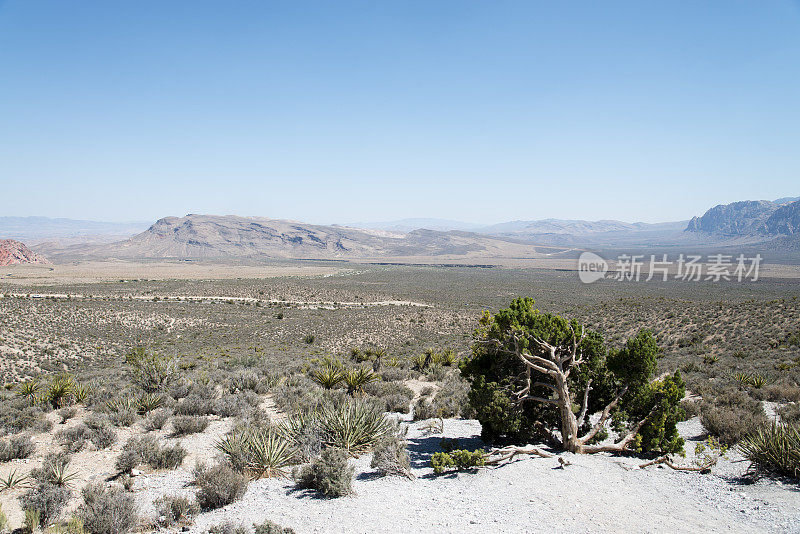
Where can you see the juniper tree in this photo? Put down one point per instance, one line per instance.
(535, 375)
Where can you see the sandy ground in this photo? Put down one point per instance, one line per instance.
(103, 271)
(594, 494)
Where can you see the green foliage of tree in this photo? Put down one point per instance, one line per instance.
(537, 376)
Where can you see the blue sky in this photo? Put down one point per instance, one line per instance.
(366, 111)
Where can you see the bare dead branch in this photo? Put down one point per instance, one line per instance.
(604, 416)
(585, 404)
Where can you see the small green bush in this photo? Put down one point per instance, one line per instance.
(731, 416)
(218, 486)
(330, 474)
(459, 459)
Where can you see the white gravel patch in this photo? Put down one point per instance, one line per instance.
(594, 494)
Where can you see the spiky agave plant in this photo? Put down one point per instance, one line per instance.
(419, 362)
(55, 472)
(448, 358)
(269, 453)
(122, 404)
(13, 481)
(261, 452)
(328, 376)
(60, 391)
(352, 426)
(356, 379)
(148, 402)
(28, 390)
(80, 393)
(775, 448)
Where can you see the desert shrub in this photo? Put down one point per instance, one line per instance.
(175, 510)
(107, 510)
(54, 471)
(790, 413)
(123, 418)
(394, 374)
(152, 372)
(218, 486)
(258, 451)
(101, 434)
(390, 457)
(25, 418)
(424, 409)
(459, 459)
(228, 528)
(3, 521)
(395, 395)
(47, 499)
(731, 415)
(67, 413)
(234, 405)
(194, 405)
(156, 419)
(451, 400)
(183, 425)
(330, 474)
(268, 527)
(299, 395)
(147, 450)
(774, 448)
(16, 448)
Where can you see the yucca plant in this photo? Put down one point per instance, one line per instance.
(419, 362)
(28, 390)
(328, 376)
(448, 358)
(80, 393)
(356, 379)
(122, 405)
(149, 402)
(60, 391)
(269, 454)
(775, 449)
(757, 381)
(13, 481)
(742, 378)
(258, 451)
(352, 426)
(54, 471)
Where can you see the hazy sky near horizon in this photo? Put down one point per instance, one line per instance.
(368, 111)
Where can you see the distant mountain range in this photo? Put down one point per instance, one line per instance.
(38, 229)
(751, 218)
(217, 236)
(773, 225)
